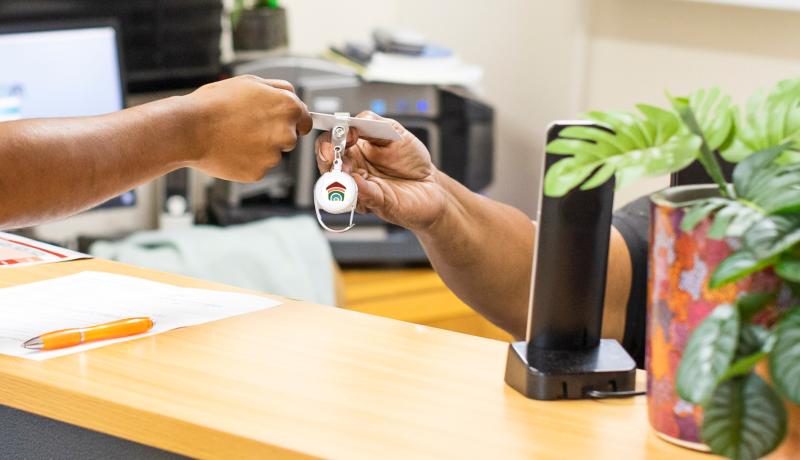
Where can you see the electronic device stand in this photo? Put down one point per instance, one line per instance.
(570, 374)
(564, 356)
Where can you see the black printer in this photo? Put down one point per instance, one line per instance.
(453, 124)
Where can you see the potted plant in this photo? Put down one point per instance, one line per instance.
(259, 25)
(724, 261)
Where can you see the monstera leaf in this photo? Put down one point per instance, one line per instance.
(715, 117)
(629, 147)
(706, 157)
(769, 120)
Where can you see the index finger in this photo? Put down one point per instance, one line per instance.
(280, 84)
(304, 123)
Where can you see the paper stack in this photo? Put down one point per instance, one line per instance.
(405, 57)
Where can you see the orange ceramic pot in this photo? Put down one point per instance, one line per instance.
(680, 265)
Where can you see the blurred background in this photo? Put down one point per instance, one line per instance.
(477, 81)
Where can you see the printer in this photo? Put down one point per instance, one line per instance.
(453, 124)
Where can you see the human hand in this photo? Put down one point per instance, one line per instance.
(237, 128)
(396, 179)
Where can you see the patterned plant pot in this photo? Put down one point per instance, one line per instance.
(680, 265)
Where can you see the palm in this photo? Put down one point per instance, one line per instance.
(396, 179)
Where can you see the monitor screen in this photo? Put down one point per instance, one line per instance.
(61, 73)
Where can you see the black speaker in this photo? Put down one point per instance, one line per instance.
(563, 356)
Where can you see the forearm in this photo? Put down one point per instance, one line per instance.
(52, 168)
(483, 250)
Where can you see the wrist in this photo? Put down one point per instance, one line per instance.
(452, 208)
(174, 123)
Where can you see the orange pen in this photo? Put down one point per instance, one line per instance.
(72, 337)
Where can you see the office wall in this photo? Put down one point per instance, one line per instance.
(548, 59)
(638, 48)
(526, 48)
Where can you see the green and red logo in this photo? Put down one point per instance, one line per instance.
(335, 192)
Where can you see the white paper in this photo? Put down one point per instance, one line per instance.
(18, 251)
(370, 128)
(91, 298)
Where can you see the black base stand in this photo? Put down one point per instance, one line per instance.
(570, 374)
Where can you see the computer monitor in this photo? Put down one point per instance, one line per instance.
(67, 70)
(59, 73)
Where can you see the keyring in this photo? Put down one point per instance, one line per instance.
(336, 191)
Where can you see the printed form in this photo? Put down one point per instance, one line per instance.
(18, 251)
(91, 298)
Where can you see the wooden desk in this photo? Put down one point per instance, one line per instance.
(306, 381)
(416, 296)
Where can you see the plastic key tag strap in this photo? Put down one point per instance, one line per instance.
(336, 191)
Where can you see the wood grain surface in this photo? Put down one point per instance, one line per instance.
(307, 381)
(417, 296)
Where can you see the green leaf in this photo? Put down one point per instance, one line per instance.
(706, 156)
(678, 153)
(743, 366)
(708, 355)
(722, 220)
(601, 136)
(744, 172)
(665, 123)
(714, 116)
(732, 218)
(579, 147)
(754, 338)
(755, 343)
(753, 303)
(772, 235)
(784, 363)
(745, 419)
(769, 120)
(624, 124)
(568, 173)
(788, 268)
(784, 198)
(639, 147)
(699, 212)
(745, 218)
(599, 178)
(735, 267)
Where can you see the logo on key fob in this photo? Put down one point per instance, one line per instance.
(336, 191)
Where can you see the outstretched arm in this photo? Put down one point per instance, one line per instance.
(482, 249)
(234, 129)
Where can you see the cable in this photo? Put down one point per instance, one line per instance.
(594, 394)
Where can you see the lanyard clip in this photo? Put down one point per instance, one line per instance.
(339, 138)
(336, 191)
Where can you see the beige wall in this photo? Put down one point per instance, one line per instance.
(638, 48)
(544, 62)
(526, 49)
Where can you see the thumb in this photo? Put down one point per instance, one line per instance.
(370, 195)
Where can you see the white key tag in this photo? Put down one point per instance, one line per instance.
(336, 191)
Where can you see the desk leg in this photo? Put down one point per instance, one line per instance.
(30, 436)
